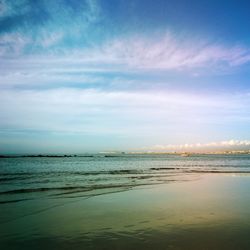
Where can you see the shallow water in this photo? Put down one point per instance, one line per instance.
(126, 202)
(34, 178)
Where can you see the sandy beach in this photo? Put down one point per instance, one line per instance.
(211, 212)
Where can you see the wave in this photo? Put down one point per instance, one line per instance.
(77, 188)
(157, 178)
(55, 183)
(42, 189)
(54, 176)
(13, 201)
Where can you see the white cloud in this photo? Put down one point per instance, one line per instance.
(221, 145)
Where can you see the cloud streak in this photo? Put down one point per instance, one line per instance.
(72, 110)
(133, 54)
(169, 53)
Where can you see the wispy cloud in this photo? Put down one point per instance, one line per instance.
(170, 53)
(10, 8)
(13, 44)
(58, 35)
(131, 54)
(44, 24)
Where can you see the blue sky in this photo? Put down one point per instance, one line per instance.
(95, 75)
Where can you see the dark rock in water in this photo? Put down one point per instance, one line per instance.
(4, 156)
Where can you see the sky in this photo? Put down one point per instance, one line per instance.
(135, 75)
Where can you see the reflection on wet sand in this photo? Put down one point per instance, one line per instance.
(211, 212)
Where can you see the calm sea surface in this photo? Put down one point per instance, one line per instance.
(125, 202)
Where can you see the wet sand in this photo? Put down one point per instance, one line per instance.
(210, 212)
